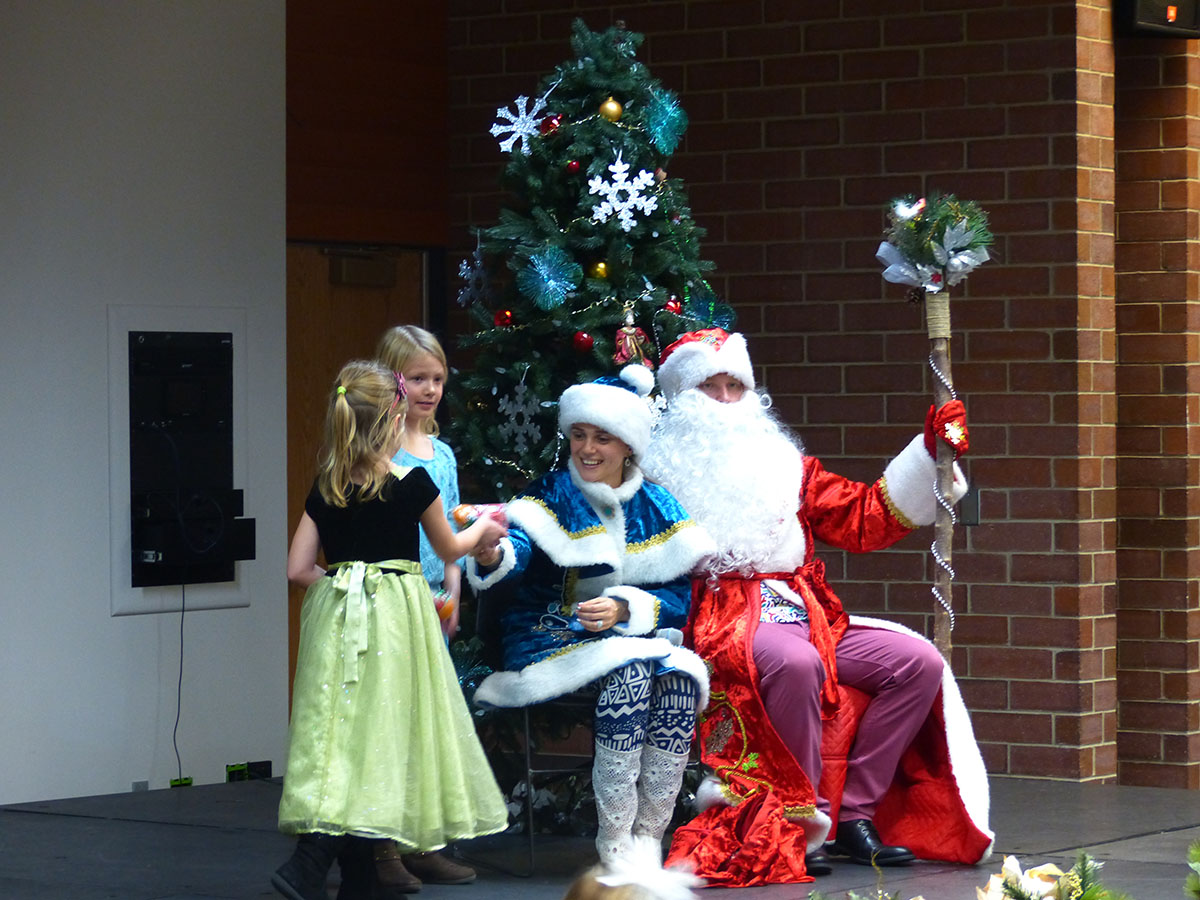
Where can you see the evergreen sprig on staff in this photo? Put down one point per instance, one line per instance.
(932, 244)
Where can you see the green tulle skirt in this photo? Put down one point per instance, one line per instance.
(382, 744)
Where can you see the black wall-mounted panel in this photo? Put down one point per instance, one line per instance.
(1158, 18)
(185, 512)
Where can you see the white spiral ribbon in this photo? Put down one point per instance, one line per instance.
(943, 502)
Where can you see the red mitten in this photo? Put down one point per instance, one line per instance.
(950, 424)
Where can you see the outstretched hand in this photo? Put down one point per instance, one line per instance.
(487, 531)
(950, 424)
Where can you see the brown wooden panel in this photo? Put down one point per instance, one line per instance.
(328, 325)
(367, 126)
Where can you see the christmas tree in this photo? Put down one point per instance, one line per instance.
(594, 265)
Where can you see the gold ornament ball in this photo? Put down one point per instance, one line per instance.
(611, 109)
(598, 269)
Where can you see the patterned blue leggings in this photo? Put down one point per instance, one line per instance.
(637, 707)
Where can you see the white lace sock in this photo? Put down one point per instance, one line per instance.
(614, 781)
(657, 790)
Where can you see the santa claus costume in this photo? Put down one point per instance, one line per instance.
(817, 720)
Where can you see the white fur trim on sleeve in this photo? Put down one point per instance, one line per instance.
(508, 559)
(643, 609)
(909, 482)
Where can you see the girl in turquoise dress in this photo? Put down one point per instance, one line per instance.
(418, 356)
(382, 745)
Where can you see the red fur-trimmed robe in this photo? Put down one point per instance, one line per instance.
(937, 804)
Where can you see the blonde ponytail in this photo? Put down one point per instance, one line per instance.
(365, 402)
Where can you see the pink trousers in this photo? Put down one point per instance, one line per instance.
(901, 674)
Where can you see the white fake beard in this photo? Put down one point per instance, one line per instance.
(736, 472)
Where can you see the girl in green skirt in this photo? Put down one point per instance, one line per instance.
(382, 745)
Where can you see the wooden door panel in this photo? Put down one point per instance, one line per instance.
(329, 324)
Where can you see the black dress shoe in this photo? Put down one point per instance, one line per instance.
(859, 840)
(817, 862)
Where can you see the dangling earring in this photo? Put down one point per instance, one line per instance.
(628, 461)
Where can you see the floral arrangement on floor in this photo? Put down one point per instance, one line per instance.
(1044, 882)
(1048, 882)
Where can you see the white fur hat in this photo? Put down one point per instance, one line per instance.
(617, 405)
(699, 355)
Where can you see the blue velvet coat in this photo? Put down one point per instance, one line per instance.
(571, 540)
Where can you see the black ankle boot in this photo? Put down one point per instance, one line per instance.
(816, 862)
(356, 864)
(859, 840)
(302, 877)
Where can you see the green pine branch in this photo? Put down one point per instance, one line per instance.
(545, 327)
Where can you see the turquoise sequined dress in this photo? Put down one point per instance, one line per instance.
(382, 744)
(443, 469)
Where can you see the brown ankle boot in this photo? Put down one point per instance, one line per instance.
(438, 869)
(391, 877)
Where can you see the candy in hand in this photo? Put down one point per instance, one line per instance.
(466, 514)
(443, 601)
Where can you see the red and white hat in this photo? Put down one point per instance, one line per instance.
(699, 355)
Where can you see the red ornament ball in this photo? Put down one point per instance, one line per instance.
(550, 123)
(503, 318)
(573, 166)
(583, 342)
(674, 306)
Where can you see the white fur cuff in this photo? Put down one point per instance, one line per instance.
(909, 482)
(508, 559)
(643, 609)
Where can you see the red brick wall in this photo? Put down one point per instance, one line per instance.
(1158, 286)
(804, 124)
(366, 122)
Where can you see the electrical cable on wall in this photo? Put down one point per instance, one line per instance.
(179, 683)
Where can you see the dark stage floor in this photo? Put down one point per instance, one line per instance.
(219, 842)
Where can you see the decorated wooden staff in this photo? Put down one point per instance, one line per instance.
(932, 244)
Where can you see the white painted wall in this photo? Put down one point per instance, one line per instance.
(141, 164)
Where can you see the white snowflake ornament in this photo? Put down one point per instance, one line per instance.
(521, 126)
(622, 196)
(519, 426)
